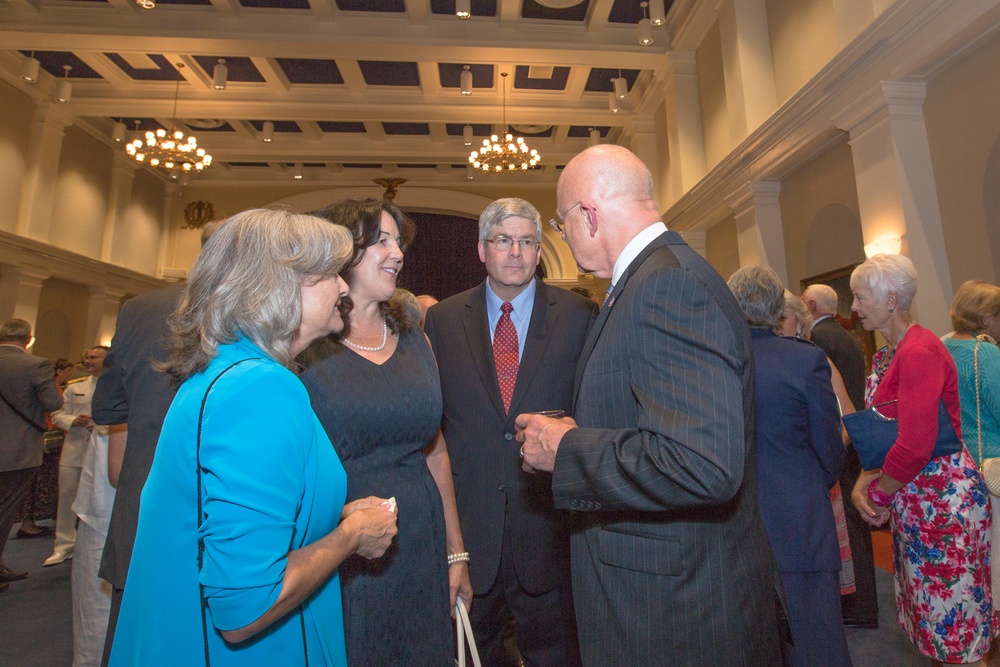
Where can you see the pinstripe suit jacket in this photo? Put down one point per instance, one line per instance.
(671, 564)
(489, 483)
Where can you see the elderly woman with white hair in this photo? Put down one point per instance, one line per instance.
(939, 505)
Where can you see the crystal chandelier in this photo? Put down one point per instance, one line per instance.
(170, 150)
(511, 155)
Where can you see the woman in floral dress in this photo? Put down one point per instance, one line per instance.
(940, 508)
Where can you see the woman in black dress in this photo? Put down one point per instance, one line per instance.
(376, 390)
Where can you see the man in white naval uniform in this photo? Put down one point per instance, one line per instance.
(74, 418)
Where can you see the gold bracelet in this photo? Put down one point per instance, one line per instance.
(458, 558)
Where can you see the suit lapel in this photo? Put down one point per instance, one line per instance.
(605, 314)
(542, 321)
(477, 333)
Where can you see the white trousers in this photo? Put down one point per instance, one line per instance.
(91, 598)
(69, 482)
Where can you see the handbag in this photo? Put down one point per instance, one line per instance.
(872, 434)
(990, 468)
(463, 631)
(201, 544)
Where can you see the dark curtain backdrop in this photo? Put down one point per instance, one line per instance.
(444, 259)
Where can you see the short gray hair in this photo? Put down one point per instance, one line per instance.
(508, 207)
(760, 294)
(408, 305)
(824, 296)
(885, 273)
(248, 281)
(15, 331)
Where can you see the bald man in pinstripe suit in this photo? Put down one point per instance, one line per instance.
(670, 562)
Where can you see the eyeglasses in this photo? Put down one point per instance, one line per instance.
(558, 223)
(504, 244)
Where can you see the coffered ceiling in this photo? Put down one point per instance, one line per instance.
(356, 89)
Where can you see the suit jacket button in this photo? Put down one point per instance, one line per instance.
(501, 487)
(508, 436)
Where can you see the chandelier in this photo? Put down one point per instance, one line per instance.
(511, 155)
(170, 150)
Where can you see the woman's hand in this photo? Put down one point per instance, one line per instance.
(370, 501)
(869, 511)
(459, 585)
(372, 527)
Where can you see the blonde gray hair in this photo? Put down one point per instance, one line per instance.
(795, 304)
(885, 273)
(760, 294)
(508, 207)
(974, 301)
(247, 281)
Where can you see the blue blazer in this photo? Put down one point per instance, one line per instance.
(799, 452)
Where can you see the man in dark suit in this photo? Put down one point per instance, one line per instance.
(132, 392)
(860, 609)
(28, 390)
(671, 564)
(517, 541)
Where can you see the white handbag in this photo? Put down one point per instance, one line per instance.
(990, 468)
(463, 630)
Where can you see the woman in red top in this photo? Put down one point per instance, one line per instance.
(940, 507)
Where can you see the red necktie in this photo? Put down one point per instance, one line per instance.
(505, 354)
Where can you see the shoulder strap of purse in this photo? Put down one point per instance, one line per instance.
(979, 418)
(201, 545)
(20, 414)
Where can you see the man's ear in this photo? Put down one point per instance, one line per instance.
(590, 215)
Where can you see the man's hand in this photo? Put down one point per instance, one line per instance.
(541, 437)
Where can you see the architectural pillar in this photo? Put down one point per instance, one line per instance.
(697, 241)
(897, 194)
(123, 168)
(645, 145)
(171, 195)
(751, 96)
(20, 288)
(685, 137)
(34, 211)
(759, 234)
(102, 313)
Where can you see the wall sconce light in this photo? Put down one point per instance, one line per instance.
(885, 246)
(467, 135)
(64, 89)
(645, 27)
(613, 105)
(466, 80)
(656, 14)
(146, 4)
(267, 134)
(470, 171)
(595, 136)
(118, 132)
(29, 68)
(621, 86)
(220, 75)
(463, 8)
(297, 173)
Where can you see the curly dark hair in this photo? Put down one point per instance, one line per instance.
(363, 218)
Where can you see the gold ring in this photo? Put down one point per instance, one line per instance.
(522, 451)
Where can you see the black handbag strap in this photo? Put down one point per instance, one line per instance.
(34, 424)
(201, 544)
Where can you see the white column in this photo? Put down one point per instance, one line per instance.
(34, 211)
(897, 193)
(20, 288)
(645, 145)
(685, 136)
(751, 96)
(119, 195)
(171, 194)
(102, 312)
(759, 235)
(697, 241)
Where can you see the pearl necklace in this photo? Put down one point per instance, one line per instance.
(365, 348)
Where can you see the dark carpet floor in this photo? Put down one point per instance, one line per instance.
(37, 629)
